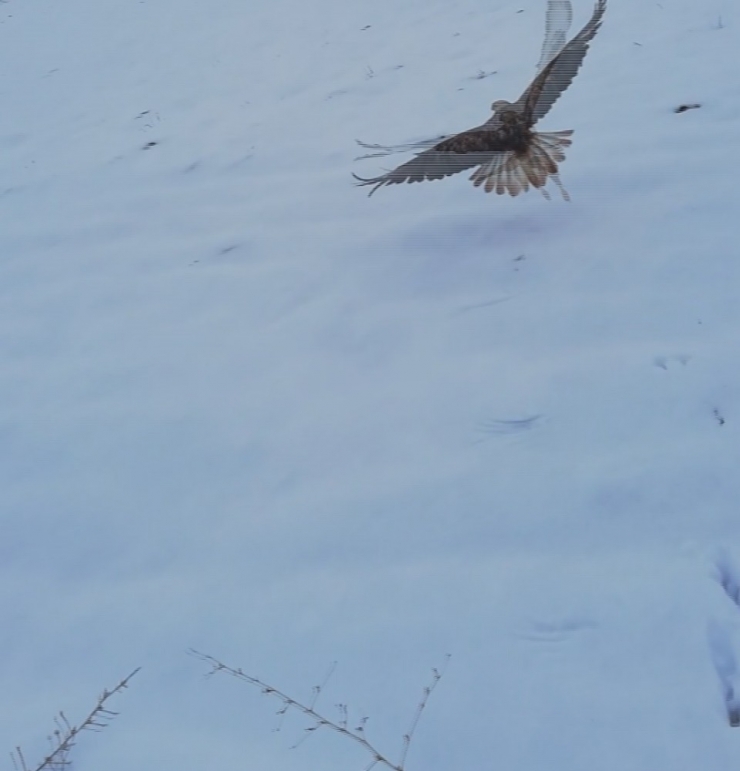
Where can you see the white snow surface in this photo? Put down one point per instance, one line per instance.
(248, 410)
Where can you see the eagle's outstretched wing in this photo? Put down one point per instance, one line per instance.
(556, 76)
(431, 164)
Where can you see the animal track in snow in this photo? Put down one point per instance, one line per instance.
(725, 663)
(721, 644)
(557, 631)
(665, 361)
(505, 427)
(728, 577)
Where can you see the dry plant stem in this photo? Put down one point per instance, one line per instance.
(356, 734)
(65, 735)
(407, 737)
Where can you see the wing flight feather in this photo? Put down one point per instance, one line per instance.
(557, 23)
(431, 164)
(558, 74)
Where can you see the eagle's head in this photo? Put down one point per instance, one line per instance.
(501, 105)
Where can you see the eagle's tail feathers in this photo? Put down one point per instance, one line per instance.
(513, 173)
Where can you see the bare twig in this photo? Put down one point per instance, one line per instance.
(65, 734)
(318, 688)
(436, 677)
(357, 734)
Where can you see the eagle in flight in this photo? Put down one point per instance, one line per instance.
(508, 154)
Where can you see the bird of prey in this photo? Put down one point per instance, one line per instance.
(507, 155)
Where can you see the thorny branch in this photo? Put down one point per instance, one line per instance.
(357, 734)
(65, 734)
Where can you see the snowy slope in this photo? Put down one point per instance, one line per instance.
(245, 408)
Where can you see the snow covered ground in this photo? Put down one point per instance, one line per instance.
(246, 409)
